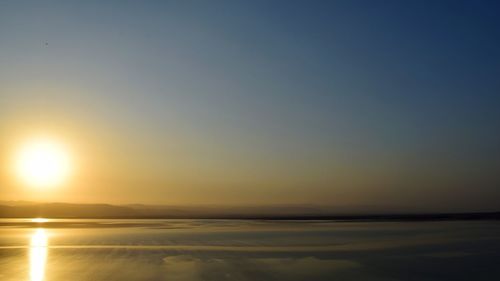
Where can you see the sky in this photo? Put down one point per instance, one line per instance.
(341, 103)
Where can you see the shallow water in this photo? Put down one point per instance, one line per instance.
(188, 250)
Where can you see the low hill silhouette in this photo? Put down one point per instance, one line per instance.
(69, 210)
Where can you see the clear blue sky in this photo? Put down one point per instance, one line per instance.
(389, 103)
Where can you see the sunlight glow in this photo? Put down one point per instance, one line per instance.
(42, 163)
(38, 255)
(39, 220)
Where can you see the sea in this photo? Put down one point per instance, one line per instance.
(190, 250)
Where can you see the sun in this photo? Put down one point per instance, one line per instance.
(43, 163)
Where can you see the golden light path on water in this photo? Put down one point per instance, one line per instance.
(38, 254)
(39, 220)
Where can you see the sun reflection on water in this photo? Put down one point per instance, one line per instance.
(39, 220)
(38, 254)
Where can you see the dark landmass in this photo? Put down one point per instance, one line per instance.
(278, 212)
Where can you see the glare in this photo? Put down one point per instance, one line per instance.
(39, 220)
(42, 163)
(38, 255)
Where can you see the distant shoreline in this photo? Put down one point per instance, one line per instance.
(342, 218)
(287, 212)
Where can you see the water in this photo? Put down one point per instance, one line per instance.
(189, 250)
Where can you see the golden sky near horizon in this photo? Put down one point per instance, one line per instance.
(115, 163)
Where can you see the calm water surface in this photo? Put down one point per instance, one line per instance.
(188, 250)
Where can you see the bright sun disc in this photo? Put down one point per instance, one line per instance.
(43, 163)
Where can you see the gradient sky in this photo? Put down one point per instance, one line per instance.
(387, 103)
